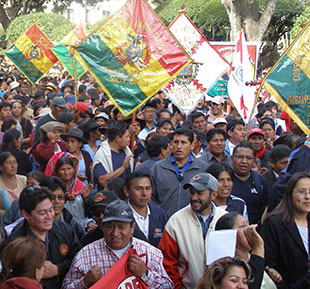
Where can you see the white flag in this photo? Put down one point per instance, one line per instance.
(241, 95)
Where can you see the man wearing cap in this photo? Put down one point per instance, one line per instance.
(256, 138)
(58, 106)
(95, 260)
(216, 111)
(185, 239)
(220, 123)
(102, 119)
(96, 210)
(95, 99)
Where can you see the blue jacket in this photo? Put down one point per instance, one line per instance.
(157, 222)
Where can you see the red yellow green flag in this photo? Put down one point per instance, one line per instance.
(64, 50)
(31, 53)
(133, 55)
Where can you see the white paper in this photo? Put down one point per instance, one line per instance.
(221, 244)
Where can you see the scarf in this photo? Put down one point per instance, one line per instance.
(261, 152)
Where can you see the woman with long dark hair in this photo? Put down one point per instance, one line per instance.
(286, 234)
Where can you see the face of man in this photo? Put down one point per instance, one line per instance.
(237, 135)
(41, 218)
(200, 200)
(57, 111)
(217, 144)
(243, 161)
(164, 115)
(279, 165)
(149, 114)
(140, 192)
(181, 147)
(200, 123)
(216, 109)
(5, 112)
(117, 234)
(268, 131)
(124, 140)
(222, 126)
(23, 89)
(257, 140)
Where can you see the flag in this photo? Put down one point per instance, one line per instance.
(31, 53)
(190, 86)
(241, 95)
(132, 55)
(288, 81)
(64, 50)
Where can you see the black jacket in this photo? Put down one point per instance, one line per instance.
(285, 252)
(270, 177)
(62, 246)
(157, 222)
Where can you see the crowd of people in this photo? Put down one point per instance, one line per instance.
(83, 187)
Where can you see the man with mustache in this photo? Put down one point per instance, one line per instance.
(185, 239)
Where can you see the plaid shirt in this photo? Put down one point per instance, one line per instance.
(99, 254)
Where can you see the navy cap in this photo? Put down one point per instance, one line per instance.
(118, 210)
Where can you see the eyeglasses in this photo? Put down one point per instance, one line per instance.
(148, 111)
(302, 192)
(59, 197)
(241, 157)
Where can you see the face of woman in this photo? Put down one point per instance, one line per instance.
(9, 166)
(165, 129)
(16, 109)
(31, 181)
(59, 201)
(73, 145)
(18, 142)
(235, 278)
(224, 185)
(301, 196)
(66, 172)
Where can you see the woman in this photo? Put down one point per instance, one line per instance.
(75, 141)
(286, 234)
(23, 264)
(35, 178)
(224, 175)
(10, 181)
(12, 143)
(51, 143)
(23, 125)
(165, 126)
(226, 273)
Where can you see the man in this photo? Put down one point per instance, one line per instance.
(199, 139)
(248, 184)
(58, 106)
(216, 145)
(268, 126)
(5, 110)
(95, 99)
(199, 121)
(79, 113)
(96, 211)
(278, 162)
(114, 158)
(170, 174)
(280, 125)
(157, 103)
(58, 237)
(150, 220)
(162, 113)
(236, 134)
(95, 260)
(216, 111)
(256, 138)
(220, 123)
(185, 239)
(148, 113)
(177, 116)
(157, 149)
(23, 90)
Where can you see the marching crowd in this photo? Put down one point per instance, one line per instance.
(82, 186)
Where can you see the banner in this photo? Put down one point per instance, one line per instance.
(289, 80)
(242, 96)
(190, 86)
(64, 50)
(132, 55)
(31, 53)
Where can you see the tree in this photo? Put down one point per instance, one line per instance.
(54, 25)
(301, 22)
(256, 22)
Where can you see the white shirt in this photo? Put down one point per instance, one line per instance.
(304, 236)
(143, 223)
(231, 147)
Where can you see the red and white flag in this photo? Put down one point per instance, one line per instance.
(241, 95)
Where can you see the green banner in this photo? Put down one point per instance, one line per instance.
(219, 88)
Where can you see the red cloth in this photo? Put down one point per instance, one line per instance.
(284, 115)
(261, 152)
(20, 283)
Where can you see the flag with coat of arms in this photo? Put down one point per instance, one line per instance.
(31, 53)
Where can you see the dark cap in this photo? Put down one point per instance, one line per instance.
(89, 125)
(65, 117)
(59, 101)
(76, 133)
(202, 181)
(118, 211)
(103, 198)
(38, 94)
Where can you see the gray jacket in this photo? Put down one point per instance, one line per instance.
(168, 190)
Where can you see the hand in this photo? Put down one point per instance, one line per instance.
(50, 270)
(136, 265)
(274, 274)
(81, 177)
(91, 226)
(92, 276)
(126, 161)
(269, 144)
(87, 191)
(138, 163)
(255, 240)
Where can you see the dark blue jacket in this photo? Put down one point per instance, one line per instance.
(158, 220)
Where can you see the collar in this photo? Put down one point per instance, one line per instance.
(51, 115)
(211, 215)
(136, 215)
(174, 162)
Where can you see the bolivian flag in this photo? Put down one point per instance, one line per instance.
(31, 53)
(289, 80)
(64, 50)
(133, 55)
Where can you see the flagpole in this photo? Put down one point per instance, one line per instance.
(133, 120)
(74, 77)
